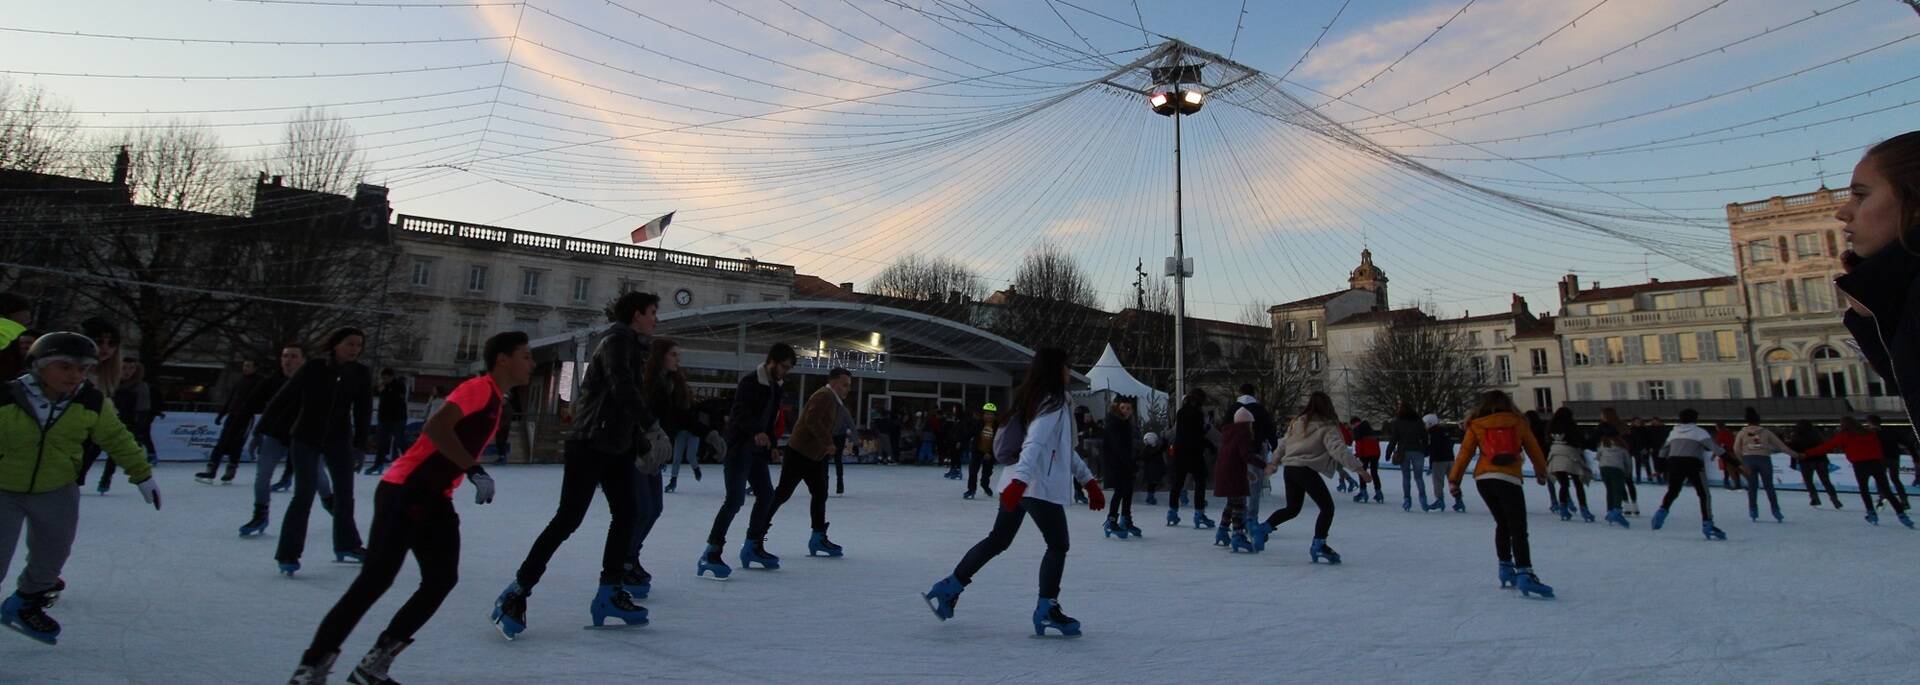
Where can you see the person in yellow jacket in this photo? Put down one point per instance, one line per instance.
(45, 417)
(1500, 436)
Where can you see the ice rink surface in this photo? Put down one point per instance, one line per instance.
(176, 597)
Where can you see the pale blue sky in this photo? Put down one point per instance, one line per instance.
(1274, 212)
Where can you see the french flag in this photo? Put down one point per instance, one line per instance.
(653, 229)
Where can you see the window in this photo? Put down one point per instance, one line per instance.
(1726, 346)
(1616, 350)
(1583, 392)
(1816, 294)
(1539, 362)
(1653, 390)
(422, 273)
(1782, 376)
(1473, 338)
(1500, 336)
(1313, 360)
(477, 279)
(1503, 369)
(531, 327)
(1825, 352)
(1830, 382)
(1650, 351)
(1293, 361)
(1715, 298)
(1689, 347)
(627, 286)
(1666, 301)
(1769, 299)
(1543, 399)
(1598, 309)
(469, 334)
(1875, 386)
(1290, 335)
(1313, 330)
(769, 297)
(1618, 389)
(582, 287)
(1806, 245)
(1759, 251)
(1690, 390)
(1479, 369)
(1582, 353)
(1734, 389)
(733, 298)
(529, 283)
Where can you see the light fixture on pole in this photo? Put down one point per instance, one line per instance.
(1174, 98)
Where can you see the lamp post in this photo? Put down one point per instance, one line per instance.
(1177, 100)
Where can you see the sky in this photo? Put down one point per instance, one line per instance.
(839, 135)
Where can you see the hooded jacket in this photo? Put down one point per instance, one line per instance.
(1757, 441)
(37, 457)
(1888, 285)
(1237, 456)
(610, 414)
(1502, 431)
(1048, 464)
(1690, 441)
(1316, 445)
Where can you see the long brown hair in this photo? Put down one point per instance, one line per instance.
(661, 385)
(1045, 386)
(1320, 408)
(1494, 402)
(1898, 158)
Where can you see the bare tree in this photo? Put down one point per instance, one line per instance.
(36, 132)
(1049, 273)
(317, 152)
(1424, 364)
(919, 277)
(176, 167)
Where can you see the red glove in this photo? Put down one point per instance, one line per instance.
(1096, 498)
(1010, 495)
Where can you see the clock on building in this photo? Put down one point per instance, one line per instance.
(683, 297)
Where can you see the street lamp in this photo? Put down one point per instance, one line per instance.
(1175, 100)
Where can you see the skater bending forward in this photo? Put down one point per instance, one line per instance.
(45, 417)
(413, 512)
(1039, 486)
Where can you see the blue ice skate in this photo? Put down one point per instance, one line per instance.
(1659, 518)
(1240, 543)
(1173, 517)
(1712, 533)
(1615, 518)
(1047, 614)
(711, 563)
(1506, 574)
(1320, 551)
(612, 601)
(1530, 584)
(1200, 519)
(819, 544)
(510, 611)
(944, 595)
(27, 614)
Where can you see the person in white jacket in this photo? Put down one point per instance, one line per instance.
(1040, 485)
(1310, 450)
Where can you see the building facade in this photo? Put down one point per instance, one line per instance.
(1678, 340)
(1788, 253)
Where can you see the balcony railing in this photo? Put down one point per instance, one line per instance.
(543, 241)
(1658, 317)
(1775, 204)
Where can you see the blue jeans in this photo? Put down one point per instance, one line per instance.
(744, 463)
(307, 462)
(686, 447)
(268, 453)
(649, 495)
(1413, 466)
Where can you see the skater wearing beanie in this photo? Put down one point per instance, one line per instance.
(45, 416)
(1755, 447)
(1118, 434)
(413, 513)
(1863, 452)
(1310, 450)
(1232, 480)
(1685, 453)
(1503, 442)
(1266, 437)
(1038, 486)
(1407, 446)
(1567, 461)
(1153, 463)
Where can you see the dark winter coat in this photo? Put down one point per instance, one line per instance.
(1896, 441)
(238, 397)
(1888, 284)
(1406, 435)
(756, 403)
(1439, 444)
(675, 418)
(1265, 433)
(1237, 458)
(610, 414)
(1117, 438)
(393, 402)
(323, 400)
(275, 426)
(1190, 433)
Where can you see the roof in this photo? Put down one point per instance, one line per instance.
(1387, 318)
(1542, 327)
(1652, 286)
(811, 287)
(1315, 300)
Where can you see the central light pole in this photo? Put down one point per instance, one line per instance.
(1176, 100)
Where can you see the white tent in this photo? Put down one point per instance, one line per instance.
(1108, 378)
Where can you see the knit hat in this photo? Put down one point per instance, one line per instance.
(1431, 420)
(1241, 415)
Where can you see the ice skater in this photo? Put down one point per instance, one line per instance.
(609, 431)
(1687, 448)
(1440, 454)
(1804, 437)
(751, 431)
(980, 468)
(271, 435)
(1755, 447)
(1503, 442)
(1407, 446)
(413, 514)
(330, 400)
(234, 419)
(671, 400)
(1233, 479)
(1567, 461)
(1038, 486)
(804, 460)
(1118, 435)
(46, 415)
(1190, 447)
(1311, 449)
(1153, 464)
(1863, 452)
(1615, 465)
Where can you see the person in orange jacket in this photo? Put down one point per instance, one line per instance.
(1499, 435)
(1863, 452)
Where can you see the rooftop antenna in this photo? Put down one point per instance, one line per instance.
(1819, 162)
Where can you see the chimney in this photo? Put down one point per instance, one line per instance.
(953, 297)
(1653, 280)
(1520, 304)
(1569, 287)
(847, 286)
(276, 181)
(122, 165)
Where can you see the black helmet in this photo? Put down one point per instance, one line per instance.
(73, 347)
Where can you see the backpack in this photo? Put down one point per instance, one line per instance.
(1008, 438)
(1502, 444)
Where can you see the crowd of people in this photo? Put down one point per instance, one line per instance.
(635, 414)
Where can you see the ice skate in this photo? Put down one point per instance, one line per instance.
(1586, 515)
(819, 544)
(755, 552)
(1127, 523)
(372, 669)
(510, 611)
(1712, 533)
(1659, 518)
(613, 602)
(711, 564)
(27, 614)
(1320, 551)
(942, 598)
(1614, 518)
(1200, 519)
(1047, 614)
(1529, 584)
(1240, 543)
(1506, 574)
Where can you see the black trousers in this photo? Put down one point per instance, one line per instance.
(794, 470)
(1050, 518)
(975, 476)
(1683, 470)
(1876, 471)
(839, 462)
(1120, 477)
(232, 442)
(1184, 466)
(585, 470)
(744, 463)
(1573, 482)
(307, 460)
(1303, 483)
(1508, 504)
(1811, 466)
(424, 525)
